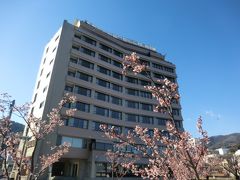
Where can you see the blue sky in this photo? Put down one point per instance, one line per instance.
(201, 37)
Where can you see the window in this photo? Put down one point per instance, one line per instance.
(48, 75)
(117, 129)
(131, 117)
(44, 60)
(76, 47)
(132, 92)
(116, 114)
(74, 60)
(161, 121)
(146, 119)
(132, 104)
(41, 72)
(35, 98)
(84, 76)
(82, 106)
(101, 111)
(145, 83)
(47, 49)
(38, 84)
(117, 64)
(104, 58)
(103, 70)
(82, 91)
(147, 107)
(41, 105)
(76, 122)
(168, 69)
(51, 62)
(116, 75)
(131, 80)
(176, 112)
(105, 48)
(69, 88)
(147, 63)
(44, 89)
(116, 87)
(116, 100)
(103, 146)
(96, 126)
(128, 129)
(178, 124)
(89, 40)
(77, 36)
(159, 76)
(74, 142)
(101, 96)
(71, 73)
(56, 38)
(88, 51)
(86, 64)
(117, 53)
(103, 83)
(146, 94)
(157, 66)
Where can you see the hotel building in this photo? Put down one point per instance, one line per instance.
(86, 61)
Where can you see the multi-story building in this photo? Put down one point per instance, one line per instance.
(86, 61)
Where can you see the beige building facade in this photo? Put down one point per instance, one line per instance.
(84, 60)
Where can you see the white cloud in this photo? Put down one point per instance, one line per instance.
(212, 114)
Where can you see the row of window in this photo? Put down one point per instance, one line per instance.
(119, 54)
(84, 124)
(114, 114)
(101, 45)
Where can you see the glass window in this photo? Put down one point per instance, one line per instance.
(71, 73)
(116, 114)
(147, 63)
(178, 124)
(89, 40)
(176, 112)
(69, 88)
(132, 104)
(103, 83)
(117, 53)
(117, 64)
(101, 111)
(157, 66)
(84, 76)
(104, 58)
(132, 92)
(116, 100)
(82, 106)
(145, 83)
(78, 36)
(96, 126)
(146, 94)
(105, 48)
(116, 75)
(82, 91)
(41, 105)
(161, 121)
(116, 87)
(75, 142)
(101, 96)
(131, 117)
(86, 64)
(74, 60)
(147, 107)
(159, 76)
(88, 51)
(131, 80)
(103, 70)
(76, 47)
(146, 119)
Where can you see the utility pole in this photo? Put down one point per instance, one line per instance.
(11, 109)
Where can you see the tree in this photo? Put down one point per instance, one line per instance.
(229, 162)
(37, 129)
(171, 154)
